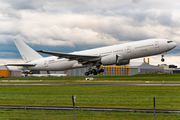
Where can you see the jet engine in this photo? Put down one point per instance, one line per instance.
(109, 59)
(114, 59)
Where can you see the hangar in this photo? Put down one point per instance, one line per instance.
(145, 68)
(6, 72)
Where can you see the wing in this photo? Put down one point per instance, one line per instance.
(23, 65)
(80, 58)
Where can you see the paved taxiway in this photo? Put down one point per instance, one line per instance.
(94, 84)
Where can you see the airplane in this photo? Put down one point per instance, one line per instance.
(119, 54)
(44, 75)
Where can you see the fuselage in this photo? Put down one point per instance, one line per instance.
(128, 51)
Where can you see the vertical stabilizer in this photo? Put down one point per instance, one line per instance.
(27, 53)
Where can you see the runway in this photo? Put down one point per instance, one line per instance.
(89, 84)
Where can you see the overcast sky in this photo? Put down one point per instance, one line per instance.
(74, 25)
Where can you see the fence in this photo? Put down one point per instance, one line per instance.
(126, 107)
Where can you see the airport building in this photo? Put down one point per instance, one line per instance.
(145, 68)
(170, 68)
(113, 70)
(108, 71)
(6, 72)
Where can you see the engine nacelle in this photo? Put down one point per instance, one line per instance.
(114, 59)
(123, 62)
(109, 60)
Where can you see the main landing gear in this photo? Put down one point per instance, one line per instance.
(94, 71)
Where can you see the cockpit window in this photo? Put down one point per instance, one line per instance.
(169, 41)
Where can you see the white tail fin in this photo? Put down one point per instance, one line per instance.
(27, 53)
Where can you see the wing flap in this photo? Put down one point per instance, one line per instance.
(79, 58)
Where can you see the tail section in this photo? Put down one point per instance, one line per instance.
(27, 53)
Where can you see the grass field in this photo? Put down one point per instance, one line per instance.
(82, 115)
(159, 77)
(141, 78)
(167, 97)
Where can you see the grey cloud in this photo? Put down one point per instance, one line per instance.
(7, 11)
(165, 18)
(139, 17)
(136, 1)
(26, 4)
(77, 25)
(6, 39)
(12, 14)
(82, 23)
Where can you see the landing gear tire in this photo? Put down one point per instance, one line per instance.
(95, 73)
(90, 72)
(86, 73)
(162, 60)
(101, 70)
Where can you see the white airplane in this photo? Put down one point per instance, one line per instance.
(115, 54)
(44, 75)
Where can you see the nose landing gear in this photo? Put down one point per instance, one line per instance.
(162, 59)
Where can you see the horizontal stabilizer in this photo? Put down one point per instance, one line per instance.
(23, 65)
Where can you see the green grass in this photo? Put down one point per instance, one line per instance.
(82, 115)
(167, 97)
(139, 77)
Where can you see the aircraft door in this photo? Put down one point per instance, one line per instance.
(46, 63)
(156, 44)
(128, 49)
(129, 52)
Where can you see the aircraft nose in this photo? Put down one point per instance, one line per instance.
(172, 45)
(175, 44)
